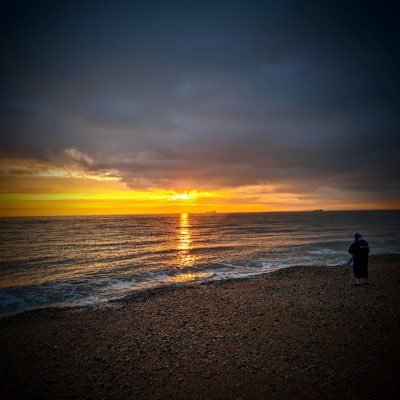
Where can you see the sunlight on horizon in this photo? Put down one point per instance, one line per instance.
(186, 195)
(33, 189)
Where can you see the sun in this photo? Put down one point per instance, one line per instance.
(187, 195)
(183, 196)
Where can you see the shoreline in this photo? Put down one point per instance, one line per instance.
(292, 333)
(165, 287)
(141, 293)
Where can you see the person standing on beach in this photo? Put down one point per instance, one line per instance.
(359, 249)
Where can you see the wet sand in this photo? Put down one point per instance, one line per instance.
(297, 333)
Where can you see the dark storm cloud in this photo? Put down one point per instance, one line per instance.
(226, 94)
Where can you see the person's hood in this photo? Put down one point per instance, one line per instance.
(358, 237)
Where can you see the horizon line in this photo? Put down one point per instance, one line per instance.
(198, 213)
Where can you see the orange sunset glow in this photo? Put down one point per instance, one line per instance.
(33, 189)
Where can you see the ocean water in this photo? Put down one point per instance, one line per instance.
(64, 261)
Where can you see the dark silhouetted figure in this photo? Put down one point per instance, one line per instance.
(359, 249)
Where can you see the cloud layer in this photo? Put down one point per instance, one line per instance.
(300, 95)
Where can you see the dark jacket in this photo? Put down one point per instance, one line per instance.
(360, 250)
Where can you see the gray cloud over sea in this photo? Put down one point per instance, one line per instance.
(213, 94)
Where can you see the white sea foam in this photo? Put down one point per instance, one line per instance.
(326, 251)
(273, 265)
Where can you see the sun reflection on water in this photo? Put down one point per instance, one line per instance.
(185, 259)
(188, 277)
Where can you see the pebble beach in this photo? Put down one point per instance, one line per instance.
(296, 333)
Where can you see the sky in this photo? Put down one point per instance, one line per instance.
(114, 107)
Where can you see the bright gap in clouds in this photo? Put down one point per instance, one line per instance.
(187, 195)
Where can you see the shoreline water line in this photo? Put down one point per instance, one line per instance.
(146, 292)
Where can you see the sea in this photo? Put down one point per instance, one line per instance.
(80, 260)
